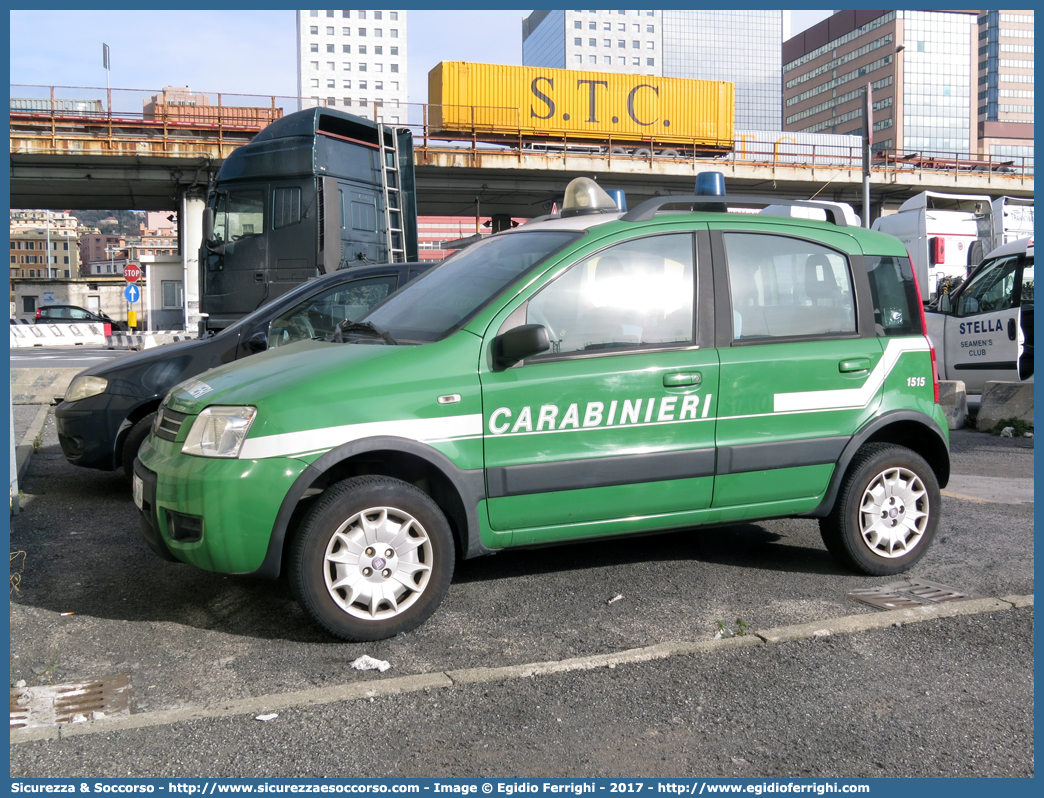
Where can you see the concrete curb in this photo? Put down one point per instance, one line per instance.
(881, 620)
(448, 679)
(24, 450)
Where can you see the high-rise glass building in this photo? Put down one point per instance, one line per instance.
(944, 83)
(354, 61)
(743, 47)
(1004, 56)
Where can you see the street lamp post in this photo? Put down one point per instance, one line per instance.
(112, 269)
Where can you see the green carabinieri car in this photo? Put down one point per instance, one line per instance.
(592, 374)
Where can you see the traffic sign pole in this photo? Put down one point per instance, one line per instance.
(131, 273)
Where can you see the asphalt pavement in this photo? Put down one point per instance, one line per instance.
(947, 696)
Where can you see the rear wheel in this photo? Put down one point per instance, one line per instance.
(886, 512)
(372, 559)
(135, 438)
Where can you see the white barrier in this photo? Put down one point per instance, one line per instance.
(27, 335)
(147, 340)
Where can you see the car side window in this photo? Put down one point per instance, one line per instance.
(77, 314)
(893, 293)
(638, 294)
(784, 287)
(317, 316)
(991, 289)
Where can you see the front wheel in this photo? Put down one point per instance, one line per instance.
(886, 512)
(372, 559)
(135, 438)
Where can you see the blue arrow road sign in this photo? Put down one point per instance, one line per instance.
(132, 293)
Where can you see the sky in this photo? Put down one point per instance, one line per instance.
(259, 59)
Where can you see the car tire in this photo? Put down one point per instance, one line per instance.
(372, 559)
(886, 511)
(135, 438)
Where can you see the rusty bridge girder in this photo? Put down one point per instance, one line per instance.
(58, 161)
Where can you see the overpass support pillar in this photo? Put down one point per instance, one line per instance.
(191, 202)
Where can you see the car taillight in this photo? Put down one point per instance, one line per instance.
(936, 250)
(935, 372)
(38, 314)
(924, 328)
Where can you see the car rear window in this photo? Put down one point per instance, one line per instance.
(892, 289)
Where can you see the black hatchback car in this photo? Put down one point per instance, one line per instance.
(108, 410)
(70, 314)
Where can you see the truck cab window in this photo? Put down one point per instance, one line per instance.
(238, 214)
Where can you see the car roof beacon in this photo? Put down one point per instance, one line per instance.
(710, 184)
(584, 196)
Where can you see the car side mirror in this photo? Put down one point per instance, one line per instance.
(208, 224)
(519, 343)
(258, 342)
(944, 304)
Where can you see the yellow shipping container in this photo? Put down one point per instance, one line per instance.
(533, 102)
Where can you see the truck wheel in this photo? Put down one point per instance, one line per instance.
(135, 438)
(373, 558)
(886, 512)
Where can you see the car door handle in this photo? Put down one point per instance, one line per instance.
(856, 364)
(679, 379)
(1012, 330)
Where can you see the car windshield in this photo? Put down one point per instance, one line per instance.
(447, 297)
(265, 311)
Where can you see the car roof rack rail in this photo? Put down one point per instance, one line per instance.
(647, 210)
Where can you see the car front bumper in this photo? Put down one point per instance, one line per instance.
(89, 430)
(216, 514)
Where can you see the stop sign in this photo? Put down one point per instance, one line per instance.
(131, 272)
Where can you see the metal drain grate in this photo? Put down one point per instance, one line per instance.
(77, 702)
(909, 593)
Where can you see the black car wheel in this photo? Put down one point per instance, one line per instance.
(373, 558)
(886, 512)
(135, 438)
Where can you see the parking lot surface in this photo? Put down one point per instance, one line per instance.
(922, 699)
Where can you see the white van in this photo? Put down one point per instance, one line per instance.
(939, 231)
(984, 330)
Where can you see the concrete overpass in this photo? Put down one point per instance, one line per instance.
(133, 163)
(63, 159)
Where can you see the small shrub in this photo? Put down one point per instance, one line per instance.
(1019, 427)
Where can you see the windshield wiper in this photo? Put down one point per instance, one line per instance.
(361, 328)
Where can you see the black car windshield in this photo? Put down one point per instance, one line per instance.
(447, 297)
(270, 309)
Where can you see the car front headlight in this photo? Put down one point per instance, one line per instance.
(219, 431)
(84, 386)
